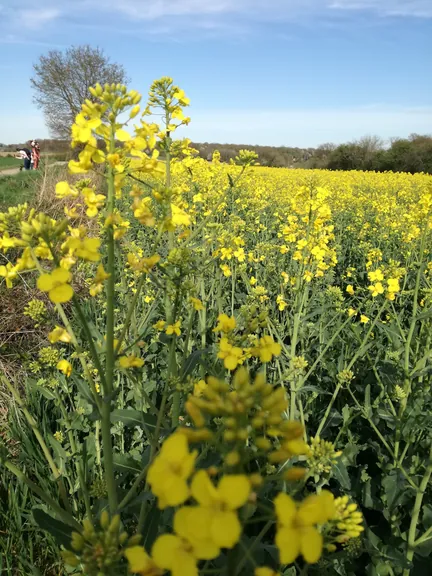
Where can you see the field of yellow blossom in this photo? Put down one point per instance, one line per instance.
(237, 366)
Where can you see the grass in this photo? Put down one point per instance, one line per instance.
(7, 162)
(18, 188)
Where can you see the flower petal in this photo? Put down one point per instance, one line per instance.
(202, 489)
(286, 509)
(288, 542)
(225, 529)
(234, 490)
(138, 559)
(311, 545)
(61, 294)
(45, 282)
(165, 550)
(175, 448)
(185, 565)
(61, 275)
(122, 135)
(313, 510)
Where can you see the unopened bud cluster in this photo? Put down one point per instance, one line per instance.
(251, 413)
(99, 550)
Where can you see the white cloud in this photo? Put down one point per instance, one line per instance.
(270, 10)
(34, 19)
(206, 13)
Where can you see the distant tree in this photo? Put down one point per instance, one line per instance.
(346, 157)
(61, 81)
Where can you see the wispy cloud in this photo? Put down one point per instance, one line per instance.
(271, 9)
(205, 14)
(34, 19)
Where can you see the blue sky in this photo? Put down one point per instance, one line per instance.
(281, 72)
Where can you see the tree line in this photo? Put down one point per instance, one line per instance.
(412, 154)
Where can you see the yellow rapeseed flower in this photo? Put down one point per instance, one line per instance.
(297, 531)
(220, 505)
(57, 285)
(173, 329)
(231, 355)
(170, 470)
(131, 361)
(65, 367)
(59, 334)
(225, 323)
(266, 349)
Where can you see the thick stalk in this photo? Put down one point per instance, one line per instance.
(407, 351)
(110, 353)
(411, 543)
(294, 341)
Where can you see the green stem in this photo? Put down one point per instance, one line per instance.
(411, 543)
(110, 352)
(407, 351)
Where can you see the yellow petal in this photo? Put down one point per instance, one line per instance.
(234, 490)
(175, 493)
(313, 510)
(94, 123)
(225, 529)
(61, 294)
(185, 565)
(311, 545)
(285, 509)
(288, 542)
(231, 362)
(175, 448)
(202, 489)
(62, 189)
(45, 282)
(122, 135)
(165, 550)
(61, 275)
(193, 523)
(138, 559)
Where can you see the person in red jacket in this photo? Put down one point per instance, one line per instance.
(35, 154)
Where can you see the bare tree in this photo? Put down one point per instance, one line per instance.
(61, 81)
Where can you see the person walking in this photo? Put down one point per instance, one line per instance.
(35, 154)
(25, 155)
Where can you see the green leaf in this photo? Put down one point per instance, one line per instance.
(340, 473)
(60, 531)
(126, 464)
(45, 392)
(192, 361)
(394, 486)
(127, 417)
(151, 526)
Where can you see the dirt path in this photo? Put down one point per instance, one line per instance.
(13, 171)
